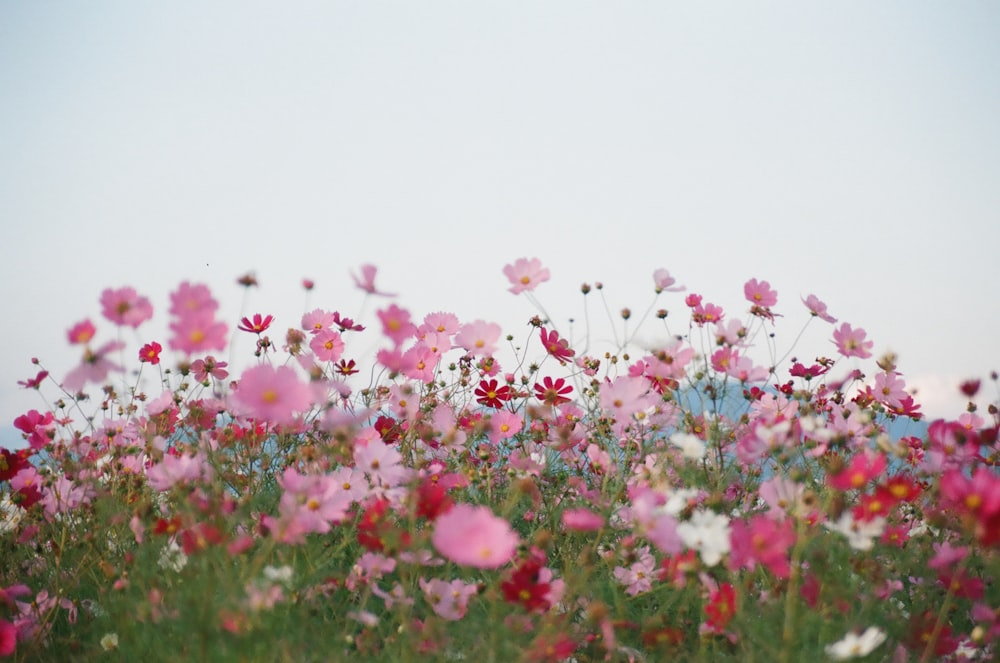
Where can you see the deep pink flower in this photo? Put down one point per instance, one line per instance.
(759, 293)
(525, 274)
(367, 281)
(851, 342)
(258, 325)
(273, 394)
(81, 332)
(125, 307)
(150, 353)
(555, 346)
(37, 427)
(864, 467)
(473, 536)
(35, 382)
(8, 638)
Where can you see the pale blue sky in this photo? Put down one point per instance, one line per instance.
(848, 149)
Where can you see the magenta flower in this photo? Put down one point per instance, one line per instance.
(472, 536)
(125, 307)
(8, 638)
(37, 427)
(272, 394)
(525, 275)
(81, 332)
(367, 281)
(851, 342)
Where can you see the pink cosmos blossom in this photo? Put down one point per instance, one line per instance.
(310, 504)
(472, 536)
(625, 397)
(272, 394)
(478, 338)
(62, 496)
(327, 345)
(504, 425)
(81, 332)
(94, 367)
(197, 332)
(762, 540)
(172, 470)
(525, 274)
(582, 520)
(663, 281)
(759, 293)
(864, 467)
(818, 309)
(638, 576)
(420, 363)
(189, 299)
(317, 320)
(889, 389)
(366, 281)
(449, 600)
(37, 427)
(851, 342)
(383, 464)
(396, 324)
(440, 322)
(125, 307)
(395, 360)
(209, 366)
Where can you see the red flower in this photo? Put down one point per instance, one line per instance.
(432, 500)
(970, 388)
(345, 367)
(525, 588)
(721, 607)
(150, 353)
(555, 346)
(258, 325)
(488, 393)
(552, 392)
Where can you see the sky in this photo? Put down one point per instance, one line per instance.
(851, 150)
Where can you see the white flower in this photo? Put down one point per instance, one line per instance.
(855, 646)
(281, 574)
(690, 445)
(109, 641)
(172, 557)
(708, 533)
(860, 534)
(10, 514)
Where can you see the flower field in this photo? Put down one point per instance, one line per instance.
(464, 492)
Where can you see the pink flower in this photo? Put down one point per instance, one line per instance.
(203, 368)
(177, 469)
(273, 394)
(81, 332)
(381, 463)
(525, 275)
(396, 324)
(440, 322)
(504, 425)
(818, 309)
(327, 345)
(8, 638)
(189, 299)
(762, 540)
(317, 320)
(851, 342)
(94, 367)
(582, 520)
(478, 338)
(759, 293)
(665, 282)
(448, 599)
(197, 332)
(37, 427)
(125, 307)
(555, 346)
(367, 281)
(864, 467)
(472, 536)
(62, 496)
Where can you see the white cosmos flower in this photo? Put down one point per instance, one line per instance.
(708, 533)
(855, 646)
(860, 534)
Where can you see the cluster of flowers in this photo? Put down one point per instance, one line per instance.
(689, 502)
